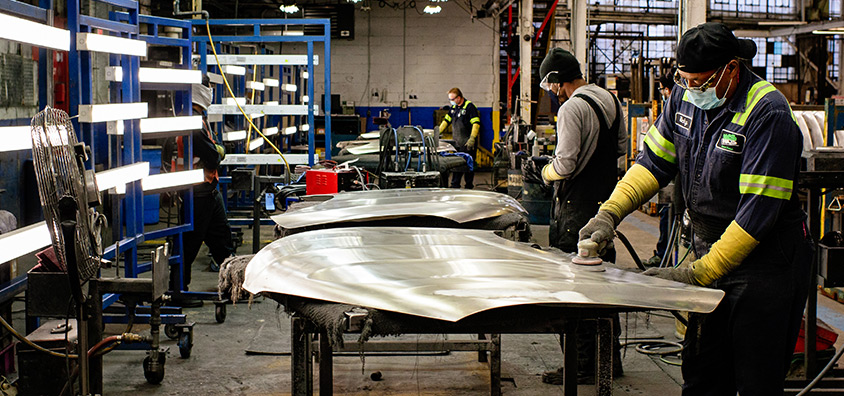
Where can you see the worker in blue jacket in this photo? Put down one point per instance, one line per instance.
(735, 143)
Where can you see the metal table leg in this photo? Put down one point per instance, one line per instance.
(495, 365)
(603, 377)
(326, 365)
(301, 365)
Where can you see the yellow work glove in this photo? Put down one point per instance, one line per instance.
(443, 126)
(476, 130)
(221, 150)
(549, 174)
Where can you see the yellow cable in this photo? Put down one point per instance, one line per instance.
(229, 88)
(252, 101)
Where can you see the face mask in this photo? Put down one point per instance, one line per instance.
(453, 103)
(708, 100)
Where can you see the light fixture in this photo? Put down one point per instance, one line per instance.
(256, 143)
(28, 32)
(353, 1)
(234, 136)
(305, 75)
(112, 112)
(255, 85)
(305, 127)
(112, 178)
(271, 103)
(830, 32)
(169, 76)
(256, 115)
(271, 82)
(289, 9)
(234, 101)
(289, 87)
(16, 138)
(114, 73)
(271, 131)
(306, 99)
(110, 44)
(290, 130)
(293, 33)
(432, 9)
(234, 70)
(23, 241)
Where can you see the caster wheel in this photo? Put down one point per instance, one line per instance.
(171, 331)
(220, 313)
(154, 376)
(185, 345)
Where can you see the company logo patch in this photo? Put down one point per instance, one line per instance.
(731, 141)
(683, 121)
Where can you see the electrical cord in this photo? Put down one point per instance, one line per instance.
(35, 346)
(248, 118)
(822, 373)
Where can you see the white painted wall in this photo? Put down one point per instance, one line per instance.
(399, 53)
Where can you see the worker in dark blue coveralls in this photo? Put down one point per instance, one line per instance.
(735, 143)
(465, 126)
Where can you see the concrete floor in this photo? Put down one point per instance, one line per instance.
(219, 364)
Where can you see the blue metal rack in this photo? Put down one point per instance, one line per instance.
(260, 36)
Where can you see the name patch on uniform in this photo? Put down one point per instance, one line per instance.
(683, 121)
(731, 141)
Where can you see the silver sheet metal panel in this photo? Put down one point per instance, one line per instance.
(454, 204)
(449, 274)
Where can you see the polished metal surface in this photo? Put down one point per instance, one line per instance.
(453, 204)
(449, 274)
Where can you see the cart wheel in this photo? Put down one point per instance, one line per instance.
(154, 376)
(220, 313)
(171, 331)
(185, 345)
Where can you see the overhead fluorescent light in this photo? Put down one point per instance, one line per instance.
(290, 130)
(34, 33)
(255, 85)
(306, 99)
(169, 76)
(289, 9)
(271, 103)
(780, 23)
(256, 115)
(166, 181)
(270, 131)
(293, 33)
(232, 101)
(271, 82)
(15, 138)
(289, 87)
(429, 9)
(234, 136)
(215, 78)
(112, 112)
(112, 178)
(110, 44)
(304, 127)
(114, 73)
(305, 75)
(235, 70)
(256, 143)
(829, 32)
(23, 241)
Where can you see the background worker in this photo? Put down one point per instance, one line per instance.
(591, 136)
(733, 140)
(210, 223)
(465, 126)
(666, 84)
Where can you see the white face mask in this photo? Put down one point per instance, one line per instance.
(709, 99)
(453, 103)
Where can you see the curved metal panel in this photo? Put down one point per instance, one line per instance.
(454, 204)
(449, 274)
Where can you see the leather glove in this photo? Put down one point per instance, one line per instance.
(470, 144)
(601, 230)
(684, 275)
(221, 150)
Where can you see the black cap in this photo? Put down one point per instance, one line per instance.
(709, 46)
(562, 62)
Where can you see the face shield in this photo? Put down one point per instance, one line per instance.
(545, 84)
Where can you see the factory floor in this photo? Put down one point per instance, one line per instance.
(220, 365)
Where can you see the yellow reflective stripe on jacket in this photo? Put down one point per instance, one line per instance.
(756, 93)
(768, 186)
(660, 145)
(686, 97)
(447, 118)
(475, 120)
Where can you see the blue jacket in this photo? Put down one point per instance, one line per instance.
(738, 162)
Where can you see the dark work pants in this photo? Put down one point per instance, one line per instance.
(210, 225)
(746, 344)
(664, 229)
(469, 176)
